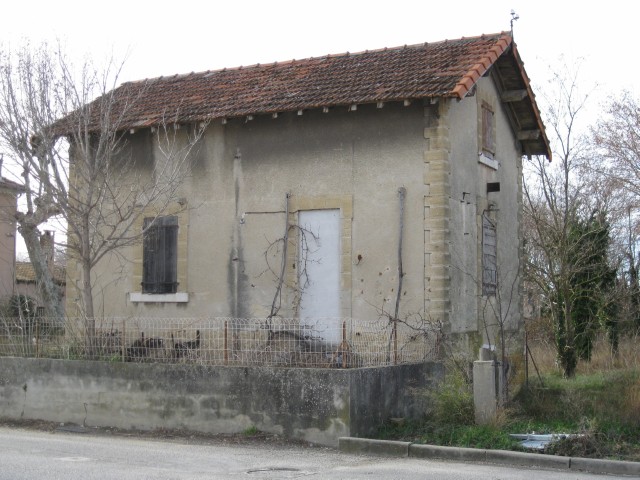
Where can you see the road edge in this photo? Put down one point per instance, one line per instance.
(391, 448)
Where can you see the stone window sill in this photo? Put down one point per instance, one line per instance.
(137, 297)
(488, 161)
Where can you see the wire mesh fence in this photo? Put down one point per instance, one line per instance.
(318, 342)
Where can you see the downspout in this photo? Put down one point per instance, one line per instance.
(237, 172)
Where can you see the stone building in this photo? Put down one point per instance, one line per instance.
(358, 151)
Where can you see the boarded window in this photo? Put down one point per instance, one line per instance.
(160, 255)
(488, 130)
(489, 257)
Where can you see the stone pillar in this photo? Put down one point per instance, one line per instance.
(47, 245)
(488, 386)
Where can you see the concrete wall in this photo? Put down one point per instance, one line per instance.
(317, 405)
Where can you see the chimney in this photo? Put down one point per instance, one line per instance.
(47, 246)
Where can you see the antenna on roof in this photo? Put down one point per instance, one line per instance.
(514, 17)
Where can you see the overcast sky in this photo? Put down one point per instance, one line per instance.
(164, 38)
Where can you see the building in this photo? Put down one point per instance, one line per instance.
(362, 159)
(25, 275)
(9, 192)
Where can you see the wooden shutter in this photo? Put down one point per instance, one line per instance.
(488, 133)
(160, 255)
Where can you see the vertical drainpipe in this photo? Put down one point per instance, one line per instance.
(237, 173)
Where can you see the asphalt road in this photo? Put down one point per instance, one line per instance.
(31, 454)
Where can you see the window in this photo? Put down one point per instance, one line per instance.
(160, 255)
(489, 257)
(488, 130)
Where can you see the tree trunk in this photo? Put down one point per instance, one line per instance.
(89, 319)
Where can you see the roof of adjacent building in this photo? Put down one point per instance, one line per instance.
(11, 185)
(449, 68)
(25, 273)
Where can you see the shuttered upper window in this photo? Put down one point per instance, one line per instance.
(488, 130)
(489, 257)
(160, 255)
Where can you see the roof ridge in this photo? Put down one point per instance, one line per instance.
(498, 35)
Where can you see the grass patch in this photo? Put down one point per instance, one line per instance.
(602, 406)
(251, 431)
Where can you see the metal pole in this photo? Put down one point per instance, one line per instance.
(526, 359)
(226, 344)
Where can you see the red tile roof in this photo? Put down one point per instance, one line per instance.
(443, 69)
(25, 273)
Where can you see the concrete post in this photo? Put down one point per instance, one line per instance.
(488, 386)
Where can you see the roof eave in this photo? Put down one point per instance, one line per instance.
(543, 143)
(476, 72)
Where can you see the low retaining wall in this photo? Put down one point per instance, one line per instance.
(317, 405)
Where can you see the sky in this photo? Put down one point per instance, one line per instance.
(164, 38)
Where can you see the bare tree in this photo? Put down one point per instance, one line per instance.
(564, 229)
(64, 128)
(616, 143)
(617, 136)
(27, 105)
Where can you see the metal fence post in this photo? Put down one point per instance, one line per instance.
(226, 343)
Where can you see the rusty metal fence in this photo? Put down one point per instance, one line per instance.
(318, 343)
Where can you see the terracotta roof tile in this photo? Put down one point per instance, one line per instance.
(442, 69)
(390, 74)
(25, 273)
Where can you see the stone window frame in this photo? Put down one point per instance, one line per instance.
(136, 294)
(488, 129)
(489, 256)
(486, 132)
(344, 203)
(160, 255)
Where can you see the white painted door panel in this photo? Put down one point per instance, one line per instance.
(319, 263)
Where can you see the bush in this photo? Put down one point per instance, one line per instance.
(453, 401)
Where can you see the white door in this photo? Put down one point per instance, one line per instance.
(319, 272)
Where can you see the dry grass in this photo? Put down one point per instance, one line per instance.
(603, 359)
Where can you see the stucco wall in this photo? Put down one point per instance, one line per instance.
(7, 243)
(318, 405)
(236, 196)
(471, 311)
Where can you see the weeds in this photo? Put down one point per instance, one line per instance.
(453, 401)
(601, 405)
(251, 431)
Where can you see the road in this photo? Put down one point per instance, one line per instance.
(32, 454)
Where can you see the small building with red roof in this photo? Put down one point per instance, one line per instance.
(392, 176)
